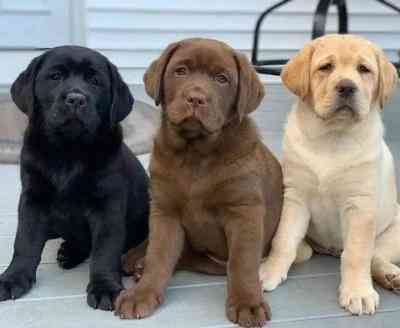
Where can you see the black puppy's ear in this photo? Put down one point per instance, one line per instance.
(23, 88)
(122, 99)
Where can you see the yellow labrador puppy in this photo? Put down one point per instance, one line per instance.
(340, 191)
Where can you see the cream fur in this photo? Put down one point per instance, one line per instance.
(340, 186)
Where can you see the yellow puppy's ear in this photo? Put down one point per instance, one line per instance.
(296, 73)
(153, 78)
(250, 89)
(388, 78)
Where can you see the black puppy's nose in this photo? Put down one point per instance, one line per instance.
(76, 100)
(346, 88)
(196, 99)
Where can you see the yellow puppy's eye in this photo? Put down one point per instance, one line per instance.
(363, 69)
(326, 67)
(181, 71)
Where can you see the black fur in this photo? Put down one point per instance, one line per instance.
(80, 182)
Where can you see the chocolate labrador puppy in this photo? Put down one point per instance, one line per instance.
(216, 189)
(80, 182)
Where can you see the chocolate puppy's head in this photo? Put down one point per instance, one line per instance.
(71, 92)
(202, 85)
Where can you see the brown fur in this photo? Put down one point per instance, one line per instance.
(216, 189)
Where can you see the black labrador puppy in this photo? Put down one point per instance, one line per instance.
(80, 181)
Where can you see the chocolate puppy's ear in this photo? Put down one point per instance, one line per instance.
(122, 99)
(250, 89)
(153, 78)
(23, 88)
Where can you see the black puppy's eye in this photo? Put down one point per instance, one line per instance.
(181, 71)
(94, 80)
(363, 69)
(221, 78)
(326, 67)
(56, 76)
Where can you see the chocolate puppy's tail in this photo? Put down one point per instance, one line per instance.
(130, 259)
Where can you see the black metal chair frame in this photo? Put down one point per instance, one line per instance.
(274, 66)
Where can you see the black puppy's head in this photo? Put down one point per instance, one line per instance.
(71, 92)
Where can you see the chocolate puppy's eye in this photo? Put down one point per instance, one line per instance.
(55, 76)
(180, 71)
(326, 67)
(221, 78)
(363, 69)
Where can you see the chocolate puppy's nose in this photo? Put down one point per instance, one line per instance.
(195, 99)
(76, 100)
(346, 88)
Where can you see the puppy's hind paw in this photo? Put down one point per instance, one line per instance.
(394, 281)
(388, 277)
(270, 276)
(69, 257)
(135, 269)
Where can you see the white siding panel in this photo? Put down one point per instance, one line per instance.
(297, 6)
(34, 23)
(27, 24)
(133, 33)
(20, 60)
(155, 39)
(195, 21)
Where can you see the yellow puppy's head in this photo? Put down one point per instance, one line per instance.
(341, 77)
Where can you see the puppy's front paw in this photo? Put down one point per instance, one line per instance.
(102, 293)
(272, 274)
(13, 286)
(137, 303)
(246, 315)
(358, 300)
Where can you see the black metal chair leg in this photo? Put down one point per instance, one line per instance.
(390, 5)
(395, 8)
(264, 66)
(254, 56)
(342, 16)
(319, 27)
(321, 13)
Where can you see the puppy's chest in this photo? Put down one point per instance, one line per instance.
(65, 177)
(319, 172)
(192, 193)
(69, 190)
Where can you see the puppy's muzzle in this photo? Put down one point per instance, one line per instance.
(196, 99)
(346, 89)
(76, 101)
